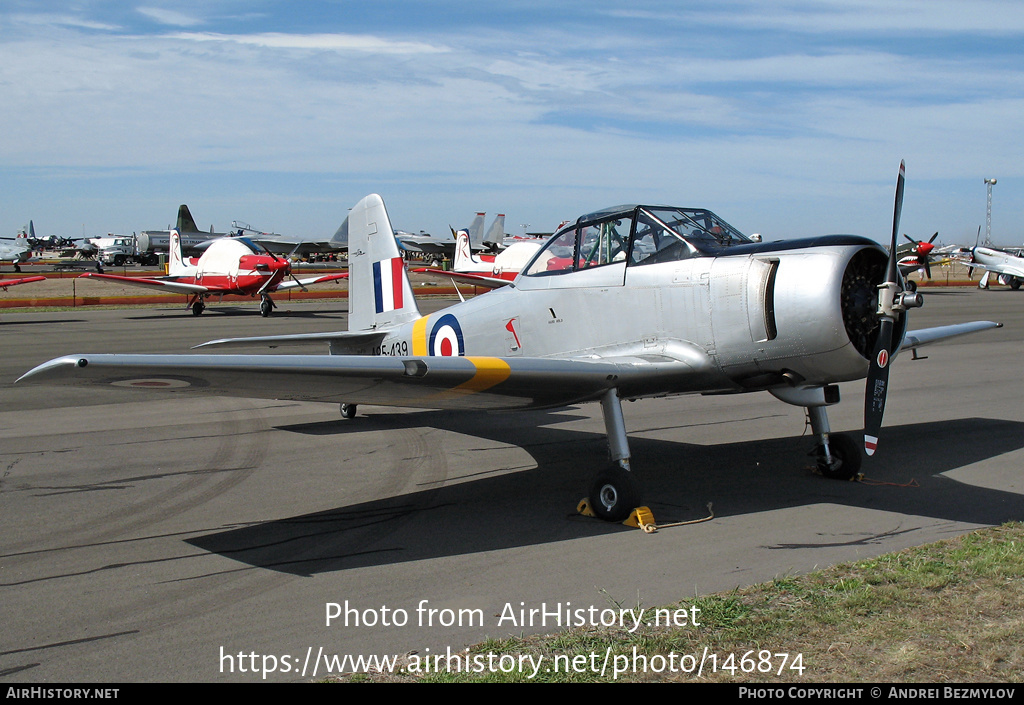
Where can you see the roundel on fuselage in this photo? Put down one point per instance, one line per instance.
(446, 338)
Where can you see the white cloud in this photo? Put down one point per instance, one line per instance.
(169, 17)
(846, 16)
(43, 20)
(329, 42)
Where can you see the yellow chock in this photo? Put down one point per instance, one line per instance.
(584, 508)
(642, 518)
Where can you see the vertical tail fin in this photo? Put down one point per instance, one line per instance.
(340, 239)
(176, 265)
(186, 224)
(496, 234)
(464, 261)
(378, 287)
(476, 231)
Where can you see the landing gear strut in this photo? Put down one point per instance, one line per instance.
(838, 456)
(615, 492)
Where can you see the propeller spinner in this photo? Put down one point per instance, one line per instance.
(922, 250)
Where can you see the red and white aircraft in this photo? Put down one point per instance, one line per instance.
(491, 271)
(228, 266)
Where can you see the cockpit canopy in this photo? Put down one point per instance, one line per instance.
(637, 235)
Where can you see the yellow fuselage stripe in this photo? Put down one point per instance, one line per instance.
(419, 337)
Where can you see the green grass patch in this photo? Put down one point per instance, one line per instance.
(951, 611)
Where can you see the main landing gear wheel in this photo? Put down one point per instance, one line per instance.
(266, 306)
(348, 411)
(198, 307)
(614, 494)
(845, 458)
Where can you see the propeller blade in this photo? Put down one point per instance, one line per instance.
(891, 273)
(878, 382)
(916, 242)
(932, 238)
(878, 372)
(927, 267)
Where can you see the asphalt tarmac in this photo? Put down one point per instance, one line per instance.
(157, 538)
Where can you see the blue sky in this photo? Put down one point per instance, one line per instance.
(786, 118)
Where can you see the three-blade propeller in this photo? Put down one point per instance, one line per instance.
(892, 301)
(923, 250)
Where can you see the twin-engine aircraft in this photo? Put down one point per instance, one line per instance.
(628, 302)
(228, 266)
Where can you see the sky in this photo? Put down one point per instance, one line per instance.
(786, 118)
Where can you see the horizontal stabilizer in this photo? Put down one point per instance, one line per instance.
(339, 342)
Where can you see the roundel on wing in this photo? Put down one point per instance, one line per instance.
(446, 338)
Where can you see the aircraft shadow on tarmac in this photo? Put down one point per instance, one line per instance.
(248, 312)
(49, 322)
(537, 505)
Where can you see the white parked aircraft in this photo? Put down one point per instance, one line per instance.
(1009, 268)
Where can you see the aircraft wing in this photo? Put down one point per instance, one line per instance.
(4, 283)
(422, 382)
(292, 247)
(429, 246)
(917, 338)
(466, 277)
(1007, 269)
(151, 283)
(302, 283)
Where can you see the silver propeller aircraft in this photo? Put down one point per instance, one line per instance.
(16, 251)
(628, 302)
(1008, 267)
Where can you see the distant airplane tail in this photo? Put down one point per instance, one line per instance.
(464, 261)
(186, 224)
(496, 234)
(176, 265)
(340, 239)
(476, 231)
(379, 292)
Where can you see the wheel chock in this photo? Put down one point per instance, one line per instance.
(584, 508)
(639, 518)
(642, 518)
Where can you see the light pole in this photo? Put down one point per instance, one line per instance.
(989, 183)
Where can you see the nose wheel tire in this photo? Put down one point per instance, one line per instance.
(614, 494)
(266, 306)
(348, 411)
(197, 308)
